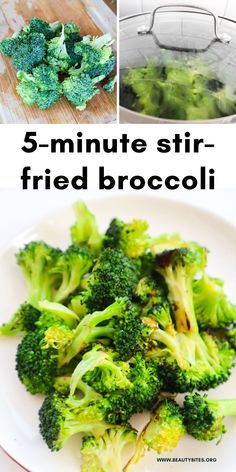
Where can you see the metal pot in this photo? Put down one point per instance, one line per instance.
(187, 31)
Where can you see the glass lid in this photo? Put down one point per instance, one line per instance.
(178, 63)
(179, 33)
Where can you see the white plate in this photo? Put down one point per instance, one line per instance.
(19, 434)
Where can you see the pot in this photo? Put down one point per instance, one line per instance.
(183, 33)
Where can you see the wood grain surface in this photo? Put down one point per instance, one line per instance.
(14, 14)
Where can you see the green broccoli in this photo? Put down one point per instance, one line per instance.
(85, 230)
(212, 308)
(203, 417)
(231, 337)
(23, 321)
(28, 51)
(105, 453)
(132, 238)
(110, 85)
(80, 89)
(49, 30)
(162, 433)
(97, 57)
(72, 37)
(41, 87)
(57, 55)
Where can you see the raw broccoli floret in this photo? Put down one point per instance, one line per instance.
(57, 55)
(97, 57)
(85, 230)
(212, 307)
(114, 275)
(49, 30)
(110, 85)
(203, 417)
(37, 260)
(71, 266)
(80, 89)
(28, 51)
(7, 45)
(132, 238)
(23, 320)
(41, 87)
(72, 37)
(105, 453)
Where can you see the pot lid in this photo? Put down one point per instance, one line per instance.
(185, 31)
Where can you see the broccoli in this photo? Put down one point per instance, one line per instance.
(110, 85)
(231, 337)
(131, 238)
(72, 265)
(105, 453)
(80, 89)
(57, 55)
(97, 57)
(185, 358)
(85, 230)
(61, 418)
(28, 51)
(23, 320)
(36, 260)
(203, 417)
(49, 30)
(100, 324)
(114, 275)
(37, 358)
(72, 37)
(167, 242)
(162, 433)
(41, 87)
(212, 308)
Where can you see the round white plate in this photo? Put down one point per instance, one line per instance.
(19, 434)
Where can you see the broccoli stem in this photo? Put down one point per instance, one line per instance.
(223, 407)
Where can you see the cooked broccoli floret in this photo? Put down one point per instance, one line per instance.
(61, 418)
(41, 87)
(37, 260)
(132, 238)
(71, 266)
(105, 453)
(203, 417)
(114, 275)
(28, 51)
(97, 57)
(152, 294)
(162, 433)
(49, 30)
(80, 89)
(23, 320)
(85, 230)
(212, 308)
(110, 85)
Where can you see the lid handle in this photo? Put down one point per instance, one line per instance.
(222, 37)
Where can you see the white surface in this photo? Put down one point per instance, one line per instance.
(25, 441)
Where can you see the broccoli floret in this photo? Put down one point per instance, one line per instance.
(49, 30)
(41, 87)
(37, 260)
(131, 238)
(203, 417)
(114, 275)
(36, 367)
(23, 320)
(151, 293)
(100, 324)
(178, 267)
(72, 37)
(80, 89)
(212, 308)
(110, 85)
(57, 55)
(7, 46)
(105, 453)
(71, 266)
(162, 433)
(61, 418)
(28, 51)
(167, 242)
(85, 230)
(97, 57)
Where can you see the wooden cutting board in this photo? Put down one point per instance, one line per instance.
(95, 18)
